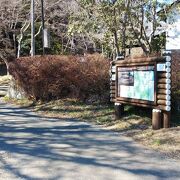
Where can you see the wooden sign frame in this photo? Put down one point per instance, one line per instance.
(138, 101)
(162, 88)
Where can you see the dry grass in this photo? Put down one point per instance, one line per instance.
(99, 114)
(166, 141)
(136, 123)
(19, 102)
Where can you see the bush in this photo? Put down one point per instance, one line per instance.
(175, 70)
(175, 80)
(54, 77)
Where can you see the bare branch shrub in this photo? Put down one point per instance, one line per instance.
(53, 77)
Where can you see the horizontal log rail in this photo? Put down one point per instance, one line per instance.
(164, 102)
(140, 60)
(163, 97)
(164, 86)
(164, 91)
(164, 81)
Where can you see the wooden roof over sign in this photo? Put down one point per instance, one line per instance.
(140, 60)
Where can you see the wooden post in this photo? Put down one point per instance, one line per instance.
(166, 119)
(156, 119)
(119, 110)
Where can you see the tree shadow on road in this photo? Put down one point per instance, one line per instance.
(56, 147)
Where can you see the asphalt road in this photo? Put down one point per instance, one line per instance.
(33, 147)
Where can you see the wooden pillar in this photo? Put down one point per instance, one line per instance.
(156, 119)
(119, 110)
(166, 119)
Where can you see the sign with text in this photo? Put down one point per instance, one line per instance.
(144, 81)
(161, 67)
(136, 82)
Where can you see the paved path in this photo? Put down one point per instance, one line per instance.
(32, 147)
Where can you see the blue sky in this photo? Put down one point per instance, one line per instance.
(166, 1)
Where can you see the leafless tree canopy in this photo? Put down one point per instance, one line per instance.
(79, 26)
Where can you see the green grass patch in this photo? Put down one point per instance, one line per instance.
(157, 142)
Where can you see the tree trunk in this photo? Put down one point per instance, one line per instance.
(14, 91)
(116, 43)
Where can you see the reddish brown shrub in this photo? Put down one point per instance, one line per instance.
(175, 70)
(176, 80)
(52, 77)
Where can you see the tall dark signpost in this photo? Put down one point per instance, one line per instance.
(32, 29)
(42, 17)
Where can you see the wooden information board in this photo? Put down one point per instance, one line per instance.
(143, 82)
(136, 84)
